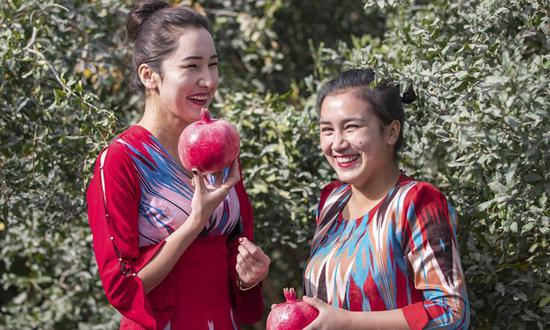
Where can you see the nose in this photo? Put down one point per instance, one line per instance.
(207, 79)
(339, 142)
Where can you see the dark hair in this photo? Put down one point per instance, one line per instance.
(152, 25)
(384, 99)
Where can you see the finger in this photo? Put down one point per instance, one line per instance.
(315, 302)
(198, 181)
(239, 269)
(218, 178)
(246, 255)
(245, 265)
(253, 250)
(243, 273)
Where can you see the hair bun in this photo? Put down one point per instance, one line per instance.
(141, 12)
(409, 95)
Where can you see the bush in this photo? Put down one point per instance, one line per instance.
(479, 131)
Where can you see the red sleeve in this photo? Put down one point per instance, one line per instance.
(430, 246)
(249, 304)
(113, 199)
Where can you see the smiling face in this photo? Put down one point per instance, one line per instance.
(189, 76)
(353, 138)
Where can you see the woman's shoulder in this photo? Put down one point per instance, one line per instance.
(419, 192)
(118, 155)
(124, 144)
(330, 189)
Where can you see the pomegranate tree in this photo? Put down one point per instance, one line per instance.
(294, 314)
(208, 144)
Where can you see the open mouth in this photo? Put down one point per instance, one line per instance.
(346, 161)
(198, 99)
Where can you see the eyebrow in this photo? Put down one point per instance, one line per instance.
(199, 57)
(326, 122)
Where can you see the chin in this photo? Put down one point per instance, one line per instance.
(346, 177)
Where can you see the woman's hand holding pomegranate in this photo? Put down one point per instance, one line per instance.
(207, 197)
(329, 317)
(252, 263)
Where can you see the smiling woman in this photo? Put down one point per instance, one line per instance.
(384, 253)
(173, 250)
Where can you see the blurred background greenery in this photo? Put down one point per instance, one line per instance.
(479, 131)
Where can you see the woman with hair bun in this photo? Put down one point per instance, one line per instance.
(384, 253)
(173, 250)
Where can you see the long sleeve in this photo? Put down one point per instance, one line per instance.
(113, 199)
(249, 304)
(430, 247)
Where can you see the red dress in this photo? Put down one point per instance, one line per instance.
(137, 197)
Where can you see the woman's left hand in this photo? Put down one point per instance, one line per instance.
(329, 316)
(252, 263)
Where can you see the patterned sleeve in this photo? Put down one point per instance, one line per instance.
(113, 199)
(431, 249)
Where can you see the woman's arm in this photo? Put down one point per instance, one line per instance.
(162, 263)
(428, 230)
(337, 318)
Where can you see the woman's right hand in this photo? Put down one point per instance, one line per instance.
(207, 197)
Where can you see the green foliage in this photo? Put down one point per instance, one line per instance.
(64, 95)
(479, 131)
(51, 127)
(281, 163)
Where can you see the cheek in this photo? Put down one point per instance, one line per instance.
(216, 78)
(358, 142)
(325, 143)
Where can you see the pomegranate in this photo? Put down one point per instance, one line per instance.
(208, 145)
(294, 314)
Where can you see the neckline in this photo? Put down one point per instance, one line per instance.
(375, 208)
(164, 150)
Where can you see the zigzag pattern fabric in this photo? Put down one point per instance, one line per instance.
(401, 254)
(166, 192)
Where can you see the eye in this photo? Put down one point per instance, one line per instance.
(213, 64)
(351, 127)
(326, 130)
(189, 66)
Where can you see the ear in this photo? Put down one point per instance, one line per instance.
(392, 132)
(149, 78)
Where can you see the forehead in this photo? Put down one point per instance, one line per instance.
(193, 42)
(344, 105)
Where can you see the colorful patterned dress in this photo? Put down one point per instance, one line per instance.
(401, 254)
(137, 197)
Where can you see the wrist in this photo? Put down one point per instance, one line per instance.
(245, 287)
(191, 228)
(196, 221)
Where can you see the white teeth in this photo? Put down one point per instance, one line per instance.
(198, 98)
(346, 159)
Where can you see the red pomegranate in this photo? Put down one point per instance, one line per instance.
(208, 144)
(294, 314)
